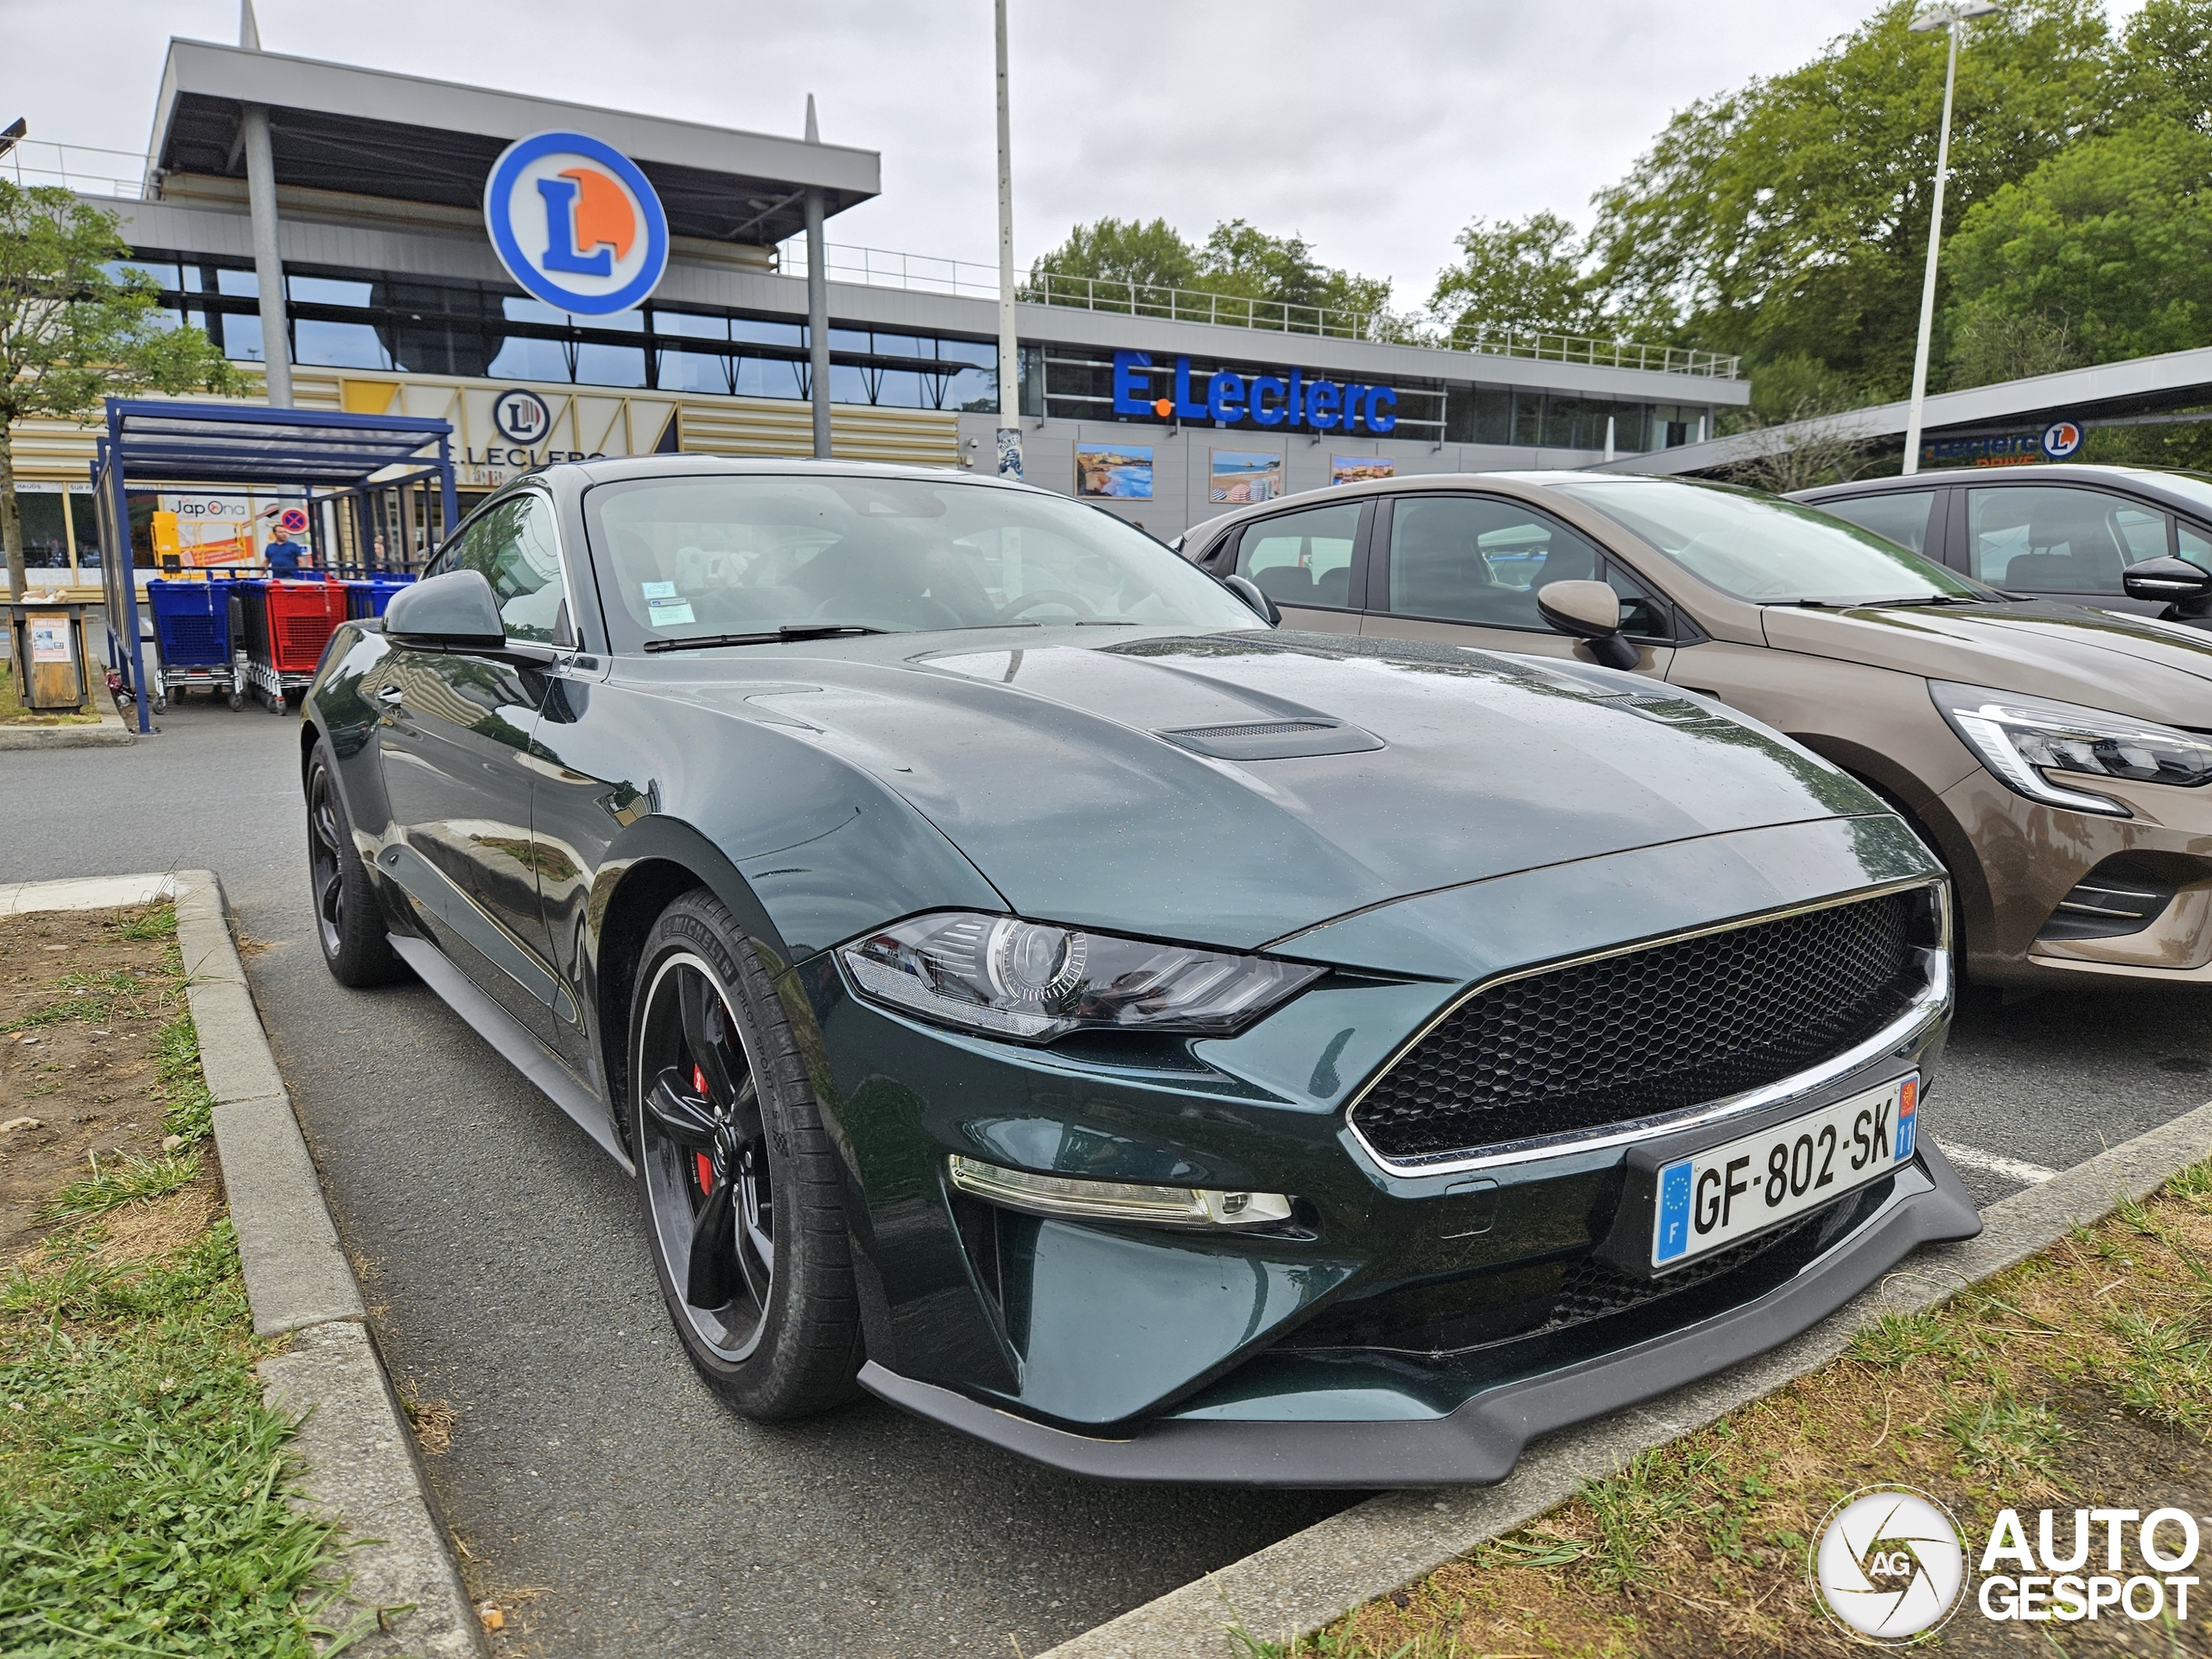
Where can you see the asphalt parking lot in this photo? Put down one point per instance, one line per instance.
(502, 1255)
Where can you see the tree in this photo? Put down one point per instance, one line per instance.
(2107, 246)
(2167, 63)
(1123, 250)
(1791, 216)
(1238, 260)
(73, 329)
(1527, 275)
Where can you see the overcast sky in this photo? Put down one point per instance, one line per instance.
(1376, 130)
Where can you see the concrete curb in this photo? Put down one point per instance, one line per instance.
(109, 734)
(1313, 1577)
(362, 1468)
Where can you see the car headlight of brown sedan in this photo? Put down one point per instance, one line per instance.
(2022, 738)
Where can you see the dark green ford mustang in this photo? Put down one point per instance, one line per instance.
(1029, 987)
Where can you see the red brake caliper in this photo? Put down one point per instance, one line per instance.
(706, 1164)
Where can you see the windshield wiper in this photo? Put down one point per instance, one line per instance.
(788, 632)
(1871, 604)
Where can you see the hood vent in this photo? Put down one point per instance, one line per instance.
(1273, 740)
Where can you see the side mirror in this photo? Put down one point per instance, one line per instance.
(2172, 581)
(455, 612)
(1248, 590)
(1589, 611)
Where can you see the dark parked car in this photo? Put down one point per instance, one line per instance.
(2054, 754)
(1028, 988)
(2067, 532)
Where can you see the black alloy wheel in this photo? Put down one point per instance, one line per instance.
(348, 926)
(738, 1180)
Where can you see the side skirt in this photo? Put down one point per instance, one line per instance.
(515, 1043)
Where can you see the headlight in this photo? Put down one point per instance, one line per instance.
(2019, 738)
(1035, 982)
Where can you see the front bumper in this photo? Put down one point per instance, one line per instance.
(1480, 1442)
(2030, 857)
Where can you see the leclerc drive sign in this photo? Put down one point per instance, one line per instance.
(575, 223)
(1263, 399)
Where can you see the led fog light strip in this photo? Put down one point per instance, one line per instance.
(1158, 1206)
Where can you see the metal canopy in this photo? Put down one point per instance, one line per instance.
(373, 133)
(150, 441)
(225, 443)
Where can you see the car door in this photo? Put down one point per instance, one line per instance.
(1465, 568)
(2061, 541)
(453, 742)
(1307, 561)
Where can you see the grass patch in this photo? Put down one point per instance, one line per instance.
(13, 712)
(188, 1111)
(2081, 1378)
(144, 1488)
(142, 1483)
(122, 1181)
(154, 922)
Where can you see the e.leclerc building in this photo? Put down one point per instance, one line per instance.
(560, 281)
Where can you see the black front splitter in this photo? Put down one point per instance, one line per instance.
(1479, 1443)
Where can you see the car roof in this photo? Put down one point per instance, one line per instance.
(628, 467)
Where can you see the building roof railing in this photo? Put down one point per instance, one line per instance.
(85, 168)
(881, 268)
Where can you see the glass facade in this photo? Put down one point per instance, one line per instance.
(55, 522)
(477, 330)
(1556, 420)
(365, 320)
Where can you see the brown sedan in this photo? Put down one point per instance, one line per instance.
(2055, 754)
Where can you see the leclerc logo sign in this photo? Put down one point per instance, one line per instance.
(1263, 399)
(575, 223)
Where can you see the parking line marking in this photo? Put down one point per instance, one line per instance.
(1990, 1163)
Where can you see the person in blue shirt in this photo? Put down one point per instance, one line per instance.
(283, 554)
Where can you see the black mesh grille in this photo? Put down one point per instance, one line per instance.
(1647, 1032)
(1460, 1316)
(1280, 728)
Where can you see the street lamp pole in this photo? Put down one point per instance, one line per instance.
(1952, 19)
(1009, 437)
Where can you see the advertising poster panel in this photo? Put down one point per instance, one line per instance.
(1355, 469)
(1124, 471)
(1241, 476)
(204, 530)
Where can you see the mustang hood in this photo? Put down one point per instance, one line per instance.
(2102, 659)
(1232, 790)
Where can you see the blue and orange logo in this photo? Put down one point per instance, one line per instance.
(575, 223)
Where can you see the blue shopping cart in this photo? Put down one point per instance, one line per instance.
(196, 640)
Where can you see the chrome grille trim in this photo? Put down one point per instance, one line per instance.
(1929, 1005)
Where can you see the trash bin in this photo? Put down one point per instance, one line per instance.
(53, 667)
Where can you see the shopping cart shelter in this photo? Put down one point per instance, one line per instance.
(224, 628)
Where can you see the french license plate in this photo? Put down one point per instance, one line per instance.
(1714, 1197)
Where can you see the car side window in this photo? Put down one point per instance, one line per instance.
(1901, 516)
(1470, 558)
(1303, 558)
(2196, 546)
(515, 549)
(1643, 616)
(2048, 540)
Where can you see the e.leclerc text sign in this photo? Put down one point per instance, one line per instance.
(1232, 399)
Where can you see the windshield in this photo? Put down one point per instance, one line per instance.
(1765, 550)
(2193, 486)
(690, 557)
